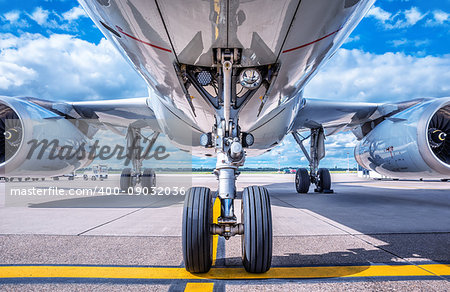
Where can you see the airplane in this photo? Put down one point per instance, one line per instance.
(226, 79)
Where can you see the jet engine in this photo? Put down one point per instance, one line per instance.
(414, 143)
(36, 142)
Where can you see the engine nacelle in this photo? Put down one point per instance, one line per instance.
(414, 143)
(36, 142)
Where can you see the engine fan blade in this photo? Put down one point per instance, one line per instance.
(440, 127)
(10, 124)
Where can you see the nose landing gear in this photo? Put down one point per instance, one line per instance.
(256, 225)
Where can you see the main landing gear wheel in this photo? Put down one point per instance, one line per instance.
(197, 238)
(125, 179)
(302, 180)
(257, 238)
(324, 181)
(148, 179)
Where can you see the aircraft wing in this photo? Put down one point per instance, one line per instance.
(334, 116)
(115, 115)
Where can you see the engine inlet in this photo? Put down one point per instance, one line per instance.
(438, 134)
(10, 133)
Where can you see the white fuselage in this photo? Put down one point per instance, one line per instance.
(298, 35)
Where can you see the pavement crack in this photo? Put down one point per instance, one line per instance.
(118, 218)
(110, 221)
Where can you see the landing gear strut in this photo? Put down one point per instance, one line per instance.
(318, 176)
(256, 225)
(130, 177)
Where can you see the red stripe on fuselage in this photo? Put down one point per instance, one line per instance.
(313, 42)
(141, 41)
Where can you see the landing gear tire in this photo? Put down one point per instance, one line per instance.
(257, 238)
(125, 179)
(197, 238)
(148, 179)
(323, 181)
(302, 180)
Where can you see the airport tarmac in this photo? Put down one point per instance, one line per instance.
(368, 235)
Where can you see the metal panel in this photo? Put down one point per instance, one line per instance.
(195, 27)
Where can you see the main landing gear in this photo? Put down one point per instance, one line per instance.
(255, 227)
(318, 176)
(130, 177)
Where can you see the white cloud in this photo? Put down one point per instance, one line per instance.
(413, 16)
(40, 16)
(439, 18)
(61, 67)
(359, 76)
(379, 14)
(12, 16)
(401, 19)
(352, 39)
(400, 42)
(13, 75)
(74, 14)
(44, 18)
(404, 42)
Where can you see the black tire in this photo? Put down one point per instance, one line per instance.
(148, 179)
(302, 181)
(93, 177)
(257, 238)
(197, 238)
(324, 180)
(125, 179)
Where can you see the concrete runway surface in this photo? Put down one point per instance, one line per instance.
(369, 235)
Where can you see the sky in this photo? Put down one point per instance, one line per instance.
(50, 49)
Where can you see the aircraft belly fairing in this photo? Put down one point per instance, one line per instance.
(298, 35)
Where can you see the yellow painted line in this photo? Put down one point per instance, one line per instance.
(441, 270)
(222, 273)
(397, 187)
(216, 214)
(199, 287)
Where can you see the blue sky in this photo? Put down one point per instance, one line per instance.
(51, 49)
